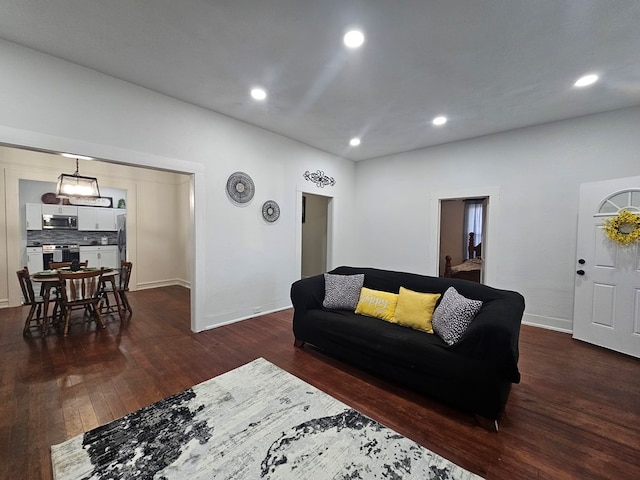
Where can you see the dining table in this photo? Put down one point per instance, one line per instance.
(49, 280)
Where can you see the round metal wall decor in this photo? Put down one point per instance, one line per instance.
(270, 211)
(240, 187)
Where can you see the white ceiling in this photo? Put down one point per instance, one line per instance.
(488, 65)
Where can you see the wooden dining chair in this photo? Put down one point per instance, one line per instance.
(57, 265)
(34, 301)
(80, 290)
(118, 291)
(108, 286)
(123, 284)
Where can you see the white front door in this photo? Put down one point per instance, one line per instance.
(607, 294)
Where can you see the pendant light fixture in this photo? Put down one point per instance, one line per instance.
(77, 185)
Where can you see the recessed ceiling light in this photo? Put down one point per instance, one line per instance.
(258, 93)
(439, 120)
(586, 80)
(73, 155)
(354, 142)
(353, 39)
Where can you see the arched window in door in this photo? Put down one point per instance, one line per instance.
(626, 200)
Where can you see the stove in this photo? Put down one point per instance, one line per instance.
(53, 248)
(59, 253)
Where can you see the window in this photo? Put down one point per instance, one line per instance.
(627, 200)
(473, 220)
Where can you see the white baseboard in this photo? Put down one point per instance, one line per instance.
(550, 323)
(162, 283)
(241, 317)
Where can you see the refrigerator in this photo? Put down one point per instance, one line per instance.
(121, 222)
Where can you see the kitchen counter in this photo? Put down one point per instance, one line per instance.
(85, 244)
(82, 244)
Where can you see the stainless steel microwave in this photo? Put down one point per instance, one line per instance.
(59, 222)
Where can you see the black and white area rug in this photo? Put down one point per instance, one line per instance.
(254, 422)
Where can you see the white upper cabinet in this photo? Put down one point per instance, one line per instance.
(59, 210)
(34, 216)
(105, 219)
(96, 219)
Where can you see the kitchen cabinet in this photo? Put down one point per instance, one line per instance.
(34, 216)
(34, 259)
(96, 219)
(100, 256)
(69, 210)
(105, 219)
(90, 255)
(109, 256)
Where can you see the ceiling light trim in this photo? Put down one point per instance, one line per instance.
(258, 93)
(353, 39)
(586, 80)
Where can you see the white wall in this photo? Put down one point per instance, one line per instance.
(241, 263)
(537, 172)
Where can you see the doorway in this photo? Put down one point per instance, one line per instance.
(460, 217)
(490, 240)
(35, 166)
(315, 222)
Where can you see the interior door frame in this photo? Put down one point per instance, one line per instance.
(490, 239)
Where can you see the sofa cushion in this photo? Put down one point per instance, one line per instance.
(415, 309)
(341, 292)
(375, 303)
(454, 314)
(387, 341)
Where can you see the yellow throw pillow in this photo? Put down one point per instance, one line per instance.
(415, 309)
(375, 303)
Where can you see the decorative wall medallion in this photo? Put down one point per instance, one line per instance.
(270, 211)
(319, 178)
(240, 187)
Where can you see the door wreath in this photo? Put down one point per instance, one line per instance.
(624, 228)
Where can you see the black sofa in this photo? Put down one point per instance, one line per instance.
(475, 374)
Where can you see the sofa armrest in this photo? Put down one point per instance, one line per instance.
(494, 333)
(307, 294)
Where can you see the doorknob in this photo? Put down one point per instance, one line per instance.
(580, 272)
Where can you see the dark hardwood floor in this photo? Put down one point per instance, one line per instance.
(576, 413)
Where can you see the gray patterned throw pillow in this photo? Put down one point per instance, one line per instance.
(454, 314)
(341, 292)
